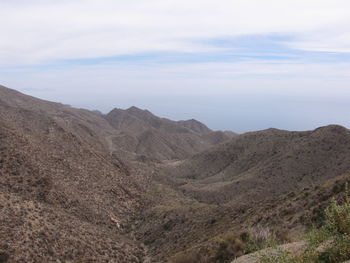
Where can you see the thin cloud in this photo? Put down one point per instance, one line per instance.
(35, 31)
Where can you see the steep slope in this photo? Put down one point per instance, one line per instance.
(65, 193)
(129, 134)
(87, 125)
(146, 136)
(60, 196)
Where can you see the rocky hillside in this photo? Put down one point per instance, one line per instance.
(272, 178)
(65, 193)
(129, 134)
(63, 196)
(144, 136)
(80, 186)
(262, 164)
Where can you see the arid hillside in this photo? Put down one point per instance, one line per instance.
(65, 193)
(262, 164)
(268, 178)
(80, 186)
(128, 134)
(63, 196)
(144, 136)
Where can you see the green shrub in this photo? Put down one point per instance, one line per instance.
(230, 246)
(327, 244)
(278, 256)
(318, 217)
(331, 243)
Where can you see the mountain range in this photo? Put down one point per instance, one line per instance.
(128, 186)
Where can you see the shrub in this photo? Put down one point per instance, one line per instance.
(336, 232)
(318, 217)
(259, 237)
(278, 256)
(327, 244)
(229, 247)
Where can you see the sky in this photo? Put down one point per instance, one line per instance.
(238, 65)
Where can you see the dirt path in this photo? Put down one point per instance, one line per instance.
(110, 145)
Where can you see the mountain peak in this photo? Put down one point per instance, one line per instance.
(139, 112)
(195, 126)
(134, 108)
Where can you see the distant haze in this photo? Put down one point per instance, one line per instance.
(234, 65)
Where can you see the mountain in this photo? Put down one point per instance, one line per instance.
(261, 164)
(195, 126)
(64, 193)
(269, 179)
(54, 176)
(129, 134)
(51, 190)
(128, 186)
(143, 135)
(87, 125)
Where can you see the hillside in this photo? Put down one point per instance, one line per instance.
(60, 198)
(129, 134)
(144, 136)
(80, 186)
(268, 178)
(261, 164)
(64, 189)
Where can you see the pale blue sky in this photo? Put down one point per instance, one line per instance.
(239, 65)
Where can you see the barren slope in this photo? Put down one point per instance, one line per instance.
(266, 163)
(61, 197)
(269, 178)
(146, 136)
(66, 194)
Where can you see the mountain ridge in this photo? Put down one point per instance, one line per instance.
(129, 186)
(147, 136)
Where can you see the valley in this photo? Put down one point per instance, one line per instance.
(129, 186)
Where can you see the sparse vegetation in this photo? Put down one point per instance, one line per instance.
(327, 244)
(230, 246)
(279, 256)
(257, 238)
(191, 257)
(77, 186)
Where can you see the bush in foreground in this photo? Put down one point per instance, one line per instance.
(328, 244)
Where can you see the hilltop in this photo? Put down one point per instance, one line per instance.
(144, 136)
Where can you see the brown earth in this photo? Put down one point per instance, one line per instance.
(61, 198)
(147, 137)
(272, 178)
(80, 186)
